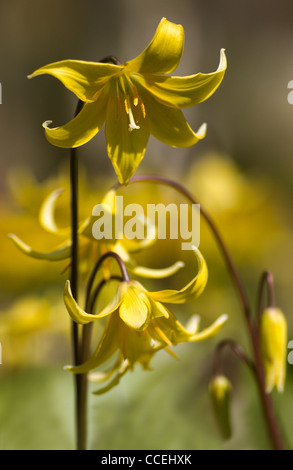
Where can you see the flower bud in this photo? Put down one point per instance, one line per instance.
(220, 390)
(273, 341)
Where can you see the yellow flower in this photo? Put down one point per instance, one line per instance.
(139, 325)
(134, 99)
(89, 246)
(273, 337)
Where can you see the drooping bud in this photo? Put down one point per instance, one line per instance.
(273, 341)
(220, 389)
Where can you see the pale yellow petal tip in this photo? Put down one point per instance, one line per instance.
(67, 288)
(222, 319)
(223, 60)
(201, 133)
(18, 242)
(46, 124)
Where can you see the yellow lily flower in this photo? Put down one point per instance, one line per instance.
(134, 99)
(139, 325)
(89, 246)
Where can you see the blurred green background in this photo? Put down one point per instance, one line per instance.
(242, 173)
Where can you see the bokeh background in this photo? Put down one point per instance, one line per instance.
(242, 173)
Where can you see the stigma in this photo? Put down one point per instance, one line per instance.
(128, 109)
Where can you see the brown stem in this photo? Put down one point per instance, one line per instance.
(80, 379)
(236, 349)
(266, 281)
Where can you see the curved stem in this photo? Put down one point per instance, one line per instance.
(111, 58)
(98, 288)
(229, 261)
(266, 399)
(266, 281)
(97, 266)
(236, 349)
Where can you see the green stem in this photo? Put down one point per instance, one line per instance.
(266, 399)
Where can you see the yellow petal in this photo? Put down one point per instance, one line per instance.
(156, 273)
(125, 366)
(176, 333)
(79, 315)
(126, 147)
(185, 91)
(85, 79)
(61, 253)
(163, 53)
(135, 307)
(210, 331)
(168, 124)
(47, 214)
(105, 349)
(189, 292)
(82, 128)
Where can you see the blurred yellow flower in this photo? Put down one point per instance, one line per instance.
(135, 99)
(33, 330)
(90, 248)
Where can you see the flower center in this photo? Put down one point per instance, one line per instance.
(133, 104)
(132, 124)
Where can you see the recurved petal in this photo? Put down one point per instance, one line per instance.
(79, 315)
(107, 346)
(85, 79)
(191, 291)
(177, 333)
(61, 253)
(156, 273)
(83, 127)
(211, 330)
(168, 124)
(47, 214)
(121, 371)
(182, 92)
(164, 52)
(126, 147)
